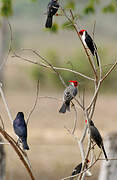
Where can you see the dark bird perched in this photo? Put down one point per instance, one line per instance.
(52, 9)
(89, 43)
(20, 129)
(77, 169)
(96, 136)
(69, 93)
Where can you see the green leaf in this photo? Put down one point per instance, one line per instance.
(6, 9)
(89, 10)
(53, 29)
(70, 5)
(109, 8)
(67, 25)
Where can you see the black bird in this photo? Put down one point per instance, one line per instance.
(52, 9)
(96, 136)
(88, 42)
(77, 169)
(20, 129)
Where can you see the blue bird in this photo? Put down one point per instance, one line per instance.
(20, 129)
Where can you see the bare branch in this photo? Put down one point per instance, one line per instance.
(46, 61)
(94, 96)
(56, 68)
(94, 29)
(10, 46)
(77, 31)
(5, 103)
(49, 97)
(16, 149)
(76, 118)
(111, 69)
(2, 122)
(84, 170)
(35, 103)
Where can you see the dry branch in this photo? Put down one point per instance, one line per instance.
(17, 150)
(35, 103)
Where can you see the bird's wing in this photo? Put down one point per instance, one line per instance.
(20, 128)
(75, 92)
(96, 136)
(91, 45)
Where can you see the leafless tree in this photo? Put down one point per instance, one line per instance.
(88, 110)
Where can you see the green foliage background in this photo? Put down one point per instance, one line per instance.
(78, 61)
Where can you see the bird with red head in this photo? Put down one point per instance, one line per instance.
(69, 93)
(89, 43)
(75, 83)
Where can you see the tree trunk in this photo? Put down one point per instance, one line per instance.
(3, 37)
(2, 161)
(109, 169)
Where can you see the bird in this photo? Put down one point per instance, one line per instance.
(96, 137)
(52, 9)
(69, 93)
(89, 43)
(20, 128)
(78, 168)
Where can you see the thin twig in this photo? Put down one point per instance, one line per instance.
(94, 25)
(83, 170)
(35, 103)
(2, 122)
(10, 46)
(10, 140)
(46, 61)
(106, 75)
(77, 31)
(5, 103)
(75, 120)
(56, 68)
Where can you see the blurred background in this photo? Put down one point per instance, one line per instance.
(53, 151)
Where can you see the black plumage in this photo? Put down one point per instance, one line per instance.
(96, 136)
(76, 170)
(91, 45)
(52, 9)
(20, 129)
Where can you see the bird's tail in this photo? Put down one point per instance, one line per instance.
(49, 22)
(97, 58)
(104, 153)
(65, 106)
(25, 145)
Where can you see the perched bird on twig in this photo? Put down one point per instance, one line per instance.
(52, 9)
(89, 43)
(96, 137)
(77, 169)
(69, 93)
(20, 129)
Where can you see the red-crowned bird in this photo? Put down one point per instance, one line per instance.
(69, 93)
(20, 129)
(89, 43)
(52, 9)
(77, 169)
(96, 137)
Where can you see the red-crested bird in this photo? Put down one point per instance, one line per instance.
(52, 9)
(96, 137)
(89, 43)
(69, 93)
